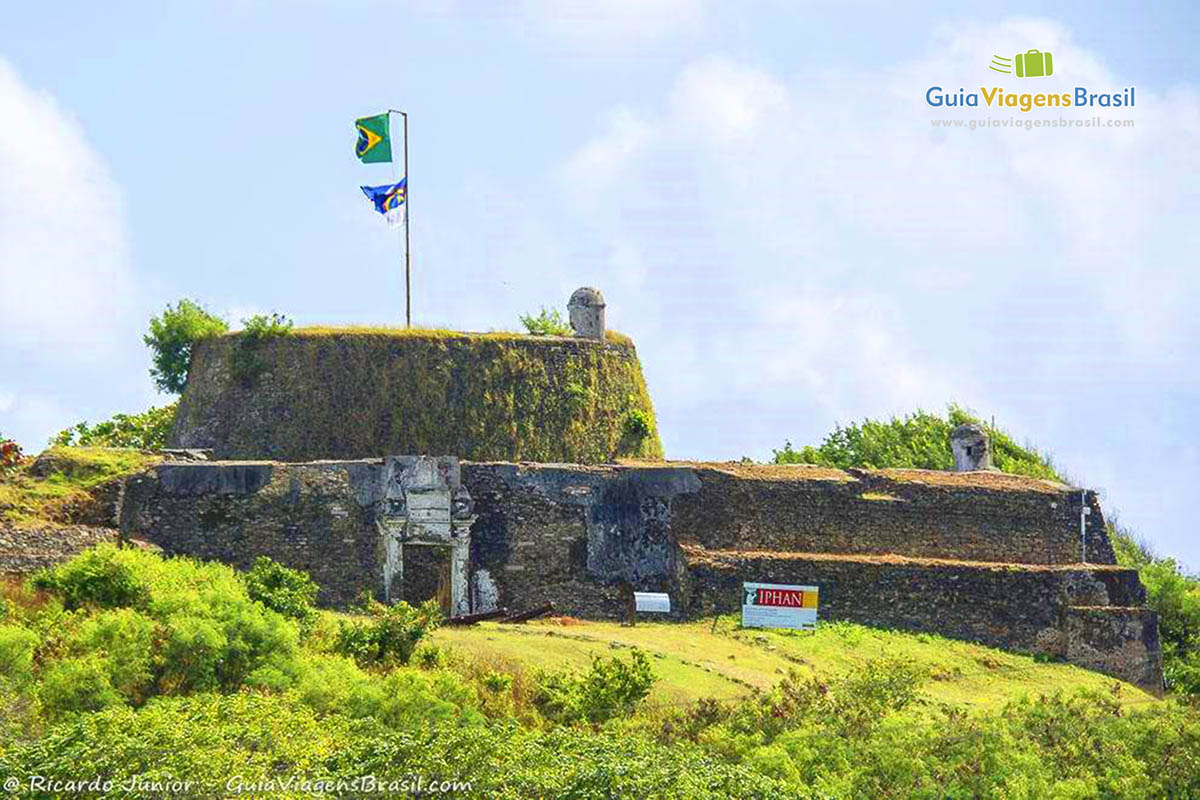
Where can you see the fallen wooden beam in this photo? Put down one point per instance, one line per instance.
(533, 613)
(471, 619)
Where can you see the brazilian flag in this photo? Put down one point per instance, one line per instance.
(374, 143)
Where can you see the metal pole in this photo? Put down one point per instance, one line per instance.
(407, 245)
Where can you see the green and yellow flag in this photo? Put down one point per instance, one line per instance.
(374, 143)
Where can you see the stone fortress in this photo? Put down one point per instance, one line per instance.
(409, 510)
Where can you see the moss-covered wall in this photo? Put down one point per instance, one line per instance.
(321, 394)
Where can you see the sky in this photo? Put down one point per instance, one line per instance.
(759, 189)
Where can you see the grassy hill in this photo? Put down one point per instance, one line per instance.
(122, 665)
(695, 660)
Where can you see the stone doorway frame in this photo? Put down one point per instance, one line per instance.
(425, 505)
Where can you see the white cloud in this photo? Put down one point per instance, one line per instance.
(614, 26)
(808, 248)
(63, 262)
(65, 282)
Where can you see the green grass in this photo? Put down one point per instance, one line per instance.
(693, 661)
(428, 333)
(28, 499)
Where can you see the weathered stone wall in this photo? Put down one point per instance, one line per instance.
(1088, 615)
(26, 550)
(360, 394)
(1006, 571)
(977, 516)
(316, 517)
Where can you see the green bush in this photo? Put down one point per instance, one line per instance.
(919, 441)
(171, 338)
(610, 688)
(95, 577)
(637, 425)
(145, 431)
(75, 685)
(546, 323)
(126, 640)
(256, 330)
(391, 634)
(16, 653)
(288, 591)
(208, 633)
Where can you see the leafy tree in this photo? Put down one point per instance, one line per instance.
(546, 323)
(172, 336)
(145, 431)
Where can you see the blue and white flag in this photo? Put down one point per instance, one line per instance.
(389, 200)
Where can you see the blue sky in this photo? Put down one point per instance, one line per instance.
(756, 187)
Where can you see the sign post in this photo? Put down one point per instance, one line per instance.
(773, 605)
(654, 602)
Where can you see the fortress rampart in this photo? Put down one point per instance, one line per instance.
(350, 393)
(983, 556)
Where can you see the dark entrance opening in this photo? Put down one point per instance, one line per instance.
(427, 575)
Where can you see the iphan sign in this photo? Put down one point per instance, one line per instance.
(773, 605)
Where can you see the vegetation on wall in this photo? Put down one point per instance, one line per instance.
(145, 431)
(357, 393)
(546, 323)
(245, 361)
(920, 440)
(121, 663)
(172, 337)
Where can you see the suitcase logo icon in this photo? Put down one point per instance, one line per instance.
(1030, 64)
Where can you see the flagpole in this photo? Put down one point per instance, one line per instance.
(407, 245)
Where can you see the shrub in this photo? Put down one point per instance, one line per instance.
(390, 635)
(125, 640)
(95, 577)
(172, 336)
(10, 454)
(288, 591)
(256, 330)
(16, 653)
(546, 323)
(636, 426)
(145, 431)
(208, 633)
(610, 688)
(74, 685)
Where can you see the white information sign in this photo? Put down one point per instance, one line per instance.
(773, 605)
(658, 602)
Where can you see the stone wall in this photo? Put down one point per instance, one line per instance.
(345, 394)
(1006, 571)
(316, 517)
(977, 516)
(25, 550)
(1088, 615)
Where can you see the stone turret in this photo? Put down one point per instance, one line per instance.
(586, 308)
(971, 447)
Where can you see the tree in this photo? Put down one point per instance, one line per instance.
(172, 336)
